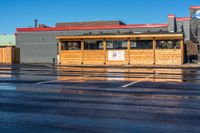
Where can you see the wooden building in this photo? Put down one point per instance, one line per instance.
(8, 53)
(129, 49)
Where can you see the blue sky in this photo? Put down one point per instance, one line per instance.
(21, 13)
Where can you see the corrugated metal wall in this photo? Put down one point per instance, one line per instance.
(172, 24)
(41, 47)
(195, 29)
(195, 23)
(184, 26)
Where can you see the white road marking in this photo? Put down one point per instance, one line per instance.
(50, 81)
(135, 82)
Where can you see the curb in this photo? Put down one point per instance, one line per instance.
(136, 66)
(185, 66)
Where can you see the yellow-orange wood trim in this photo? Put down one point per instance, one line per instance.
(143, 36)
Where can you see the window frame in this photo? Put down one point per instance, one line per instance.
(110, 40)
(131, 48)
(167, 44)
(98, 42)
(66, 43)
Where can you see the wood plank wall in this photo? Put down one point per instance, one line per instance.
(141, 57)
(168, 57)
(9, 55)
(91, 57)
(6, 55)
(71, 57)
(137, 57)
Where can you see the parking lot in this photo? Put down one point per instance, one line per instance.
(98, 100)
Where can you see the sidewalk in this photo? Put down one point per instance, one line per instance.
(185, 66)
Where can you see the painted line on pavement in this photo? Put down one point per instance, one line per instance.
(45, 82)
(135, 82)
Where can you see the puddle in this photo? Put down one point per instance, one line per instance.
(8, 88)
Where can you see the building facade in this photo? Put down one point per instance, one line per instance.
(39, 44)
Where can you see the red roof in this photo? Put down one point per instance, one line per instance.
(132, 26)
(183, 19)
(195, 7)
(171, 16)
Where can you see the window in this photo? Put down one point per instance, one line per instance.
(93, 45)
(198, 46)
(142, 44)
(117, 44)
(71, 45)
(168, 44)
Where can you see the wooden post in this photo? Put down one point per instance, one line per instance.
(104, 48)
(129, 48)
(8, 54)
(154, 51)
(59, 53)
(182, 52)
(82, 52)
(12, 55)
(3, 56)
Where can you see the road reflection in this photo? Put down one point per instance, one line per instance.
(81, 74)
(117, 74)
(7, 87)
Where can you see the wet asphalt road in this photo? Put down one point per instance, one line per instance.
(36, 99)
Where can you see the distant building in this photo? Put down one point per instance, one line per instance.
(8, 50)
(39, 44)
(7, 40)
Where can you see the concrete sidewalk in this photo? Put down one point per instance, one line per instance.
(185, 66)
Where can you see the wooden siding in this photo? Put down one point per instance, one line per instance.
(91, 57)
(9, 55)
(71, 57)
(137, 57)
(6, 55)
(142, 57)
(168, 57)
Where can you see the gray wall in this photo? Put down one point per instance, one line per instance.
(195, 25)
(195, 30)
(172, 24)
(41, 47)
(184, 26)
(36, 47)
